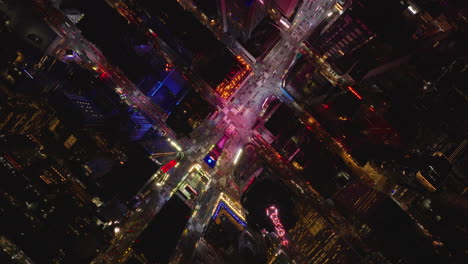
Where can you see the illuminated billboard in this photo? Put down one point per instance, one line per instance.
(272, 212)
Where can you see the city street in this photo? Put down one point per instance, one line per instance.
(241, 114)
(233, 131)
(246, 107)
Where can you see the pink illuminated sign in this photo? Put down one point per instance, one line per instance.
(272, 212)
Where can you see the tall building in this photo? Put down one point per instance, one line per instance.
(305, 81)
(430, 78)
(194, 46)
(22, 117)
(358, 200)
(21, 82)
(280, 257)
(240, 17)
(342, 41)
(193, 185)
(169, 224)
(166, 89)
(286, 7)
(400, 238)
(23, 19)
(74, 15)
(205, 253)
(189, 114)
(126, 48)
(137, 126)
(226, 236)
(311, 233)
(79, 110)
(317, 242)
(46, 214)
(345, 35)
(437, 16)
(118, 184)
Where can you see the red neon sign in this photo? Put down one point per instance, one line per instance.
(248, 184)
(272, 212)
(354, 92)
(168, 166)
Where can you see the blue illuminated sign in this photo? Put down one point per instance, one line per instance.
(210, 161)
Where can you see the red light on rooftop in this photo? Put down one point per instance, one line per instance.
(326, 106)
(104, 75)
(168, 166)
(354, 92)
(248, 184)
(13, 162)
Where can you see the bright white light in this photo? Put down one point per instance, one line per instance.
(194, 166)
(116, 229)
(412, 9)
(330, 14)
(238, 154)
(284, 22)
(176, 146)
(264, 103)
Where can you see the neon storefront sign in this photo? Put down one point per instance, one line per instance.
(272, 212)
